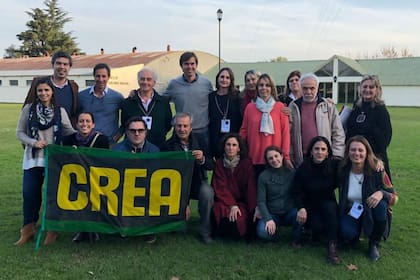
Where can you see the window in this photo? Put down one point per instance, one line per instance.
(13, 82)
(1, 82)
(28, 83)
(89, 83)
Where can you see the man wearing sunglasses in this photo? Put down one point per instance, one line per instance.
(135, 141)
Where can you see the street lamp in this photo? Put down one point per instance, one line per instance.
(219, 18)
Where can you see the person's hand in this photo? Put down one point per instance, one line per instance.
(257, 214)
(286, 111)
(198, 155)
(41, 144)
(187, 213)
(234, 212)
(373, 200)
(301, 216)
(329, 100)
(270, 227)
(379, 166)
(288, 164)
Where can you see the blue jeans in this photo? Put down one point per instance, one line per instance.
(350, 228)
(32, 193)
(287, 219)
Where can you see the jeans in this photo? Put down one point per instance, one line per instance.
(205, 204)
(287, 219)
(350, 227)
(32, 193)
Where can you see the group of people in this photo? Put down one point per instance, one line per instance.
(276, 160)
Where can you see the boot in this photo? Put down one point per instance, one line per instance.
(332, 257)
(51, 237)
(27, 232)
(373, 250)
(374, 239)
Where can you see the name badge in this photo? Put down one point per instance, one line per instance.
(356, 210)
(225, 126)
(148, 121)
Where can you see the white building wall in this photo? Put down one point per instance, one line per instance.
(401, 95)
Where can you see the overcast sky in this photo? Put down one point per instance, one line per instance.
(252, 30)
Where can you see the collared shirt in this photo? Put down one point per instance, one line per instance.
(138, 149)
(147, 102)
(185, 79)
(92, 91)
(62, 86)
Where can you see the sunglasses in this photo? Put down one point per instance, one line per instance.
(134, 131)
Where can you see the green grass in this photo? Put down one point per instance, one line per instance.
(182, 255)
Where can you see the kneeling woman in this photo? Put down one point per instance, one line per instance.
(86, 136)
(365, 196)
(275, 203)
(314, 185)
(234, 187)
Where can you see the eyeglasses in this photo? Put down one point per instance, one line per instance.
(135, 131)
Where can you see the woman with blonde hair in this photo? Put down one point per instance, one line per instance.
(371, 119)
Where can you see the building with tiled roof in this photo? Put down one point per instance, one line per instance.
(16, 74)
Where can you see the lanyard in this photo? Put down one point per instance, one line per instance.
(146, 113)
(224, 114)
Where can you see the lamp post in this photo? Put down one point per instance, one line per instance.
(219, 18)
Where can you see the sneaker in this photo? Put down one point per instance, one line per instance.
(79, 237)
(295, 245)
(150, 238)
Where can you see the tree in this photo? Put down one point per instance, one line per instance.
(45, 34)
(278, 59)
(12, 52)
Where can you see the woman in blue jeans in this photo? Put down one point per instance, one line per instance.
(41, 123)
(365, 196)
(275, 203)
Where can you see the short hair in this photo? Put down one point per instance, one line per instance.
(377, 100)
(311, 76)
(181, 115)
(186, 56)
(243, 151)
(135, 119)
(154, 74)
(272, 85)
(291, 74)
(61, 54)
(232, 87)
(86, 113)
(102, 66)
(269, 149)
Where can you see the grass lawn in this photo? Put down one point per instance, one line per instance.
(182, 255)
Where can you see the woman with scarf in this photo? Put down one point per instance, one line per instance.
(40, 123)
(234, 187)
(86, 136)
(264, 124)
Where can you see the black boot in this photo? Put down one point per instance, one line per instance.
(374, 239)
(332, 256)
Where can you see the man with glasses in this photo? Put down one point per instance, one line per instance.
(135, 141)
(65, 91)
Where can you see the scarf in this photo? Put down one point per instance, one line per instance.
(265, 108)
(231, 163)
(42, 117)
(84, 141)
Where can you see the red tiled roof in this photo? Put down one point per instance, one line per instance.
(81, 61)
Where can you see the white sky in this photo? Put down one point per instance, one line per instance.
(252, 30)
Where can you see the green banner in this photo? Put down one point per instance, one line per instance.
(97, 190)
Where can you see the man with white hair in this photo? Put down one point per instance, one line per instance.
(312, 115)
(152, 107)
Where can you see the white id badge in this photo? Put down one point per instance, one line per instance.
(148, 121)
(225, 126)
(356, 210)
